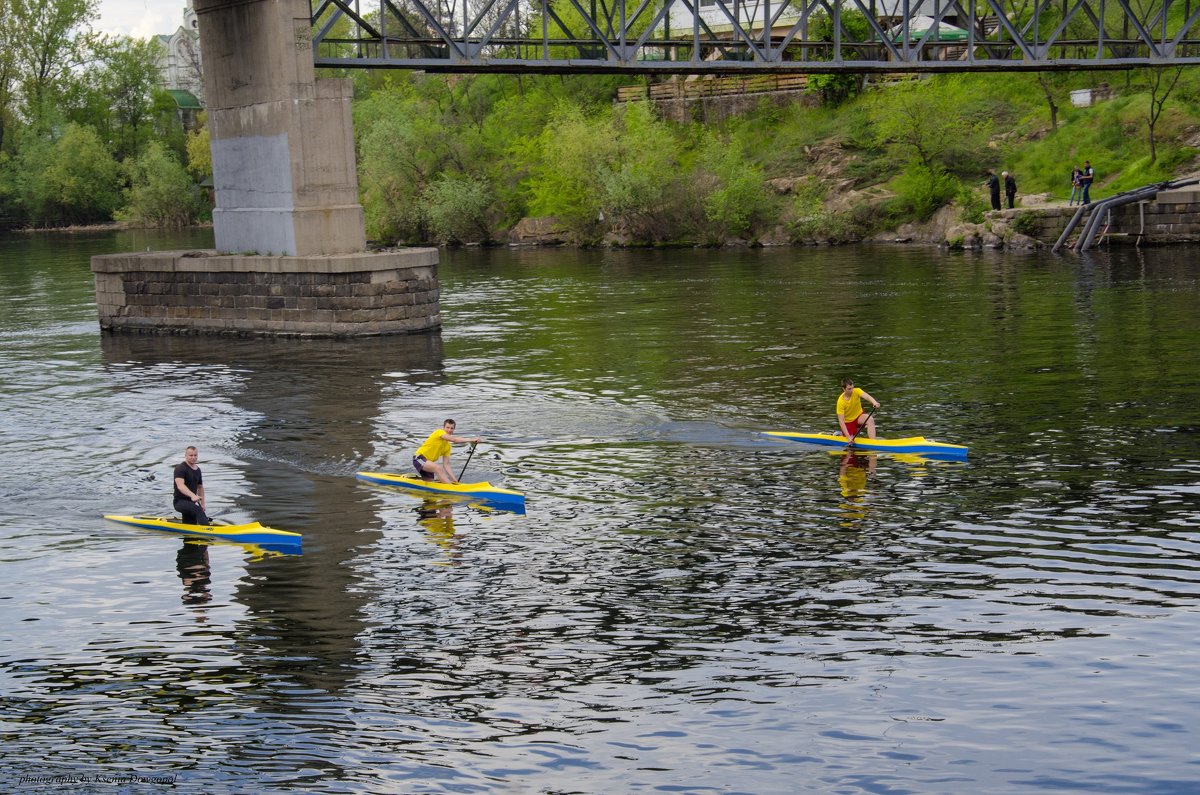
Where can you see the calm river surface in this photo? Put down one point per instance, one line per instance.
(687, 606)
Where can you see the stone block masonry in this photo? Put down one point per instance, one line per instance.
(203, 292)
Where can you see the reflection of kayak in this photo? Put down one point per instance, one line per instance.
(252, 533)
(918, 445)
(492, 495)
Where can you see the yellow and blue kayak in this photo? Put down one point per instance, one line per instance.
(917, 445)
(484, 492)
(252, 533)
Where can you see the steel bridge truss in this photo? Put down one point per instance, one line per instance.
(750, 36)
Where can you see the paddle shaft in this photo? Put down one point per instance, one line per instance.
(863, 425)
(469, 454)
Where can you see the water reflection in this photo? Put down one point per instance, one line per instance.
(436, 516)
(298, 438)
(196, 573)
(683, 602)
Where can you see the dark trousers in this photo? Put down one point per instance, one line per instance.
(996, 201)
(1012, 197)
(191, 512)
(1087, 187)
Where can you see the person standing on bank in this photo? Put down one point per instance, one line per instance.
(850, 412)
(189, 489)
(993, 184)
(1085, 181)
(1010, 189)
(1075, 186)
(432, 459)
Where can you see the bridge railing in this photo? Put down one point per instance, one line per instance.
(734, 36)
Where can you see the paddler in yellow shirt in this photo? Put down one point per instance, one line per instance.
(432, 459)
(850, 411)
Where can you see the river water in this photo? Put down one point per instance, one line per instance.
(687, 605)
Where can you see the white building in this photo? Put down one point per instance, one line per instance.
(181, 70)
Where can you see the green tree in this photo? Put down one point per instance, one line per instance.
(837, 88)
(160, 191)
(923, 120)
(737, 201)
(457, 208)
(128, 77)
(51, 40)
(1162, 83)
(8, 72)
(69, 180)
(402, 148)
(199, 151)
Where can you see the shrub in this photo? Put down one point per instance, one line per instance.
(920, 192)
(972, 203)
(457, 209)
(738, 203)
(1026, 223)
(160, 191)
(69, 180)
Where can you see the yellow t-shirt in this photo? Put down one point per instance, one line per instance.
(435, 446)
(852, 408)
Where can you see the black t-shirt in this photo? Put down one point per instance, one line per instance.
(191, 478)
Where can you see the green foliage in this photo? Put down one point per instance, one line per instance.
(1026, 223)
(920, 191)
(53, 38)
(923, 120)
(605, 169)
(972, 203)
(71, 180)
(457, 209)
(836, 89)
(402, 148)
(116, 95)
(199, 152)
(737, 202)
(160, 193)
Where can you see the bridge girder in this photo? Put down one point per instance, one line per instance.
(754, 36)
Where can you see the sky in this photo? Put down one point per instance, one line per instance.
(140, 18)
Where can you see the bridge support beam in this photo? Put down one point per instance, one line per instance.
(291, 254)
(282, 142)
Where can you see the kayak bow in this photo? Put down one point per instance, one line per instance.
(252, 533)
(484, 491)
(918, 445)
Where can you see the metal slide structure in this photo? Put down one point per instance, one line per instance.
(1098, 212)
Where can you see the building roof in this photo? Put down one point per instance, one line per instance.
(186, 100)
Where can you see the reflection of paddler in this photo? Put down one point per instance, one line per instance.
(193, 567)
(437, 517)
(853, 474)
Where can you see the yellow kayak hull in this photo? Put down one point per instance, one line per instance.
(483, 491)
(917, 445)
(251, 533)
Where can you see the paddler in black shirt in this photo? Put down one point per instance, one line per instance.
(189, 489)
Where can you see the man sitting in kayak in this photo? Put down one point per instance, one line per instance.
(432, 459)
(850, 411)
(189, 489)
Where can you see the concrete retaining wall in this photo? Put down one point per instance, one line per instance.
(202, 292)
(1172, 217)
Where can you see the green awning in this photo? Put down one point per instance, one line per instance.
(185, 100)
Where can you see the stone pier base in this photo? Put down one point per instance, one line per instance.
(203, 292)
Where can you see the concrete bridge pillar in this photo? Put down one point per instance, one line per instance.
(291, 253)
(282, 141)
